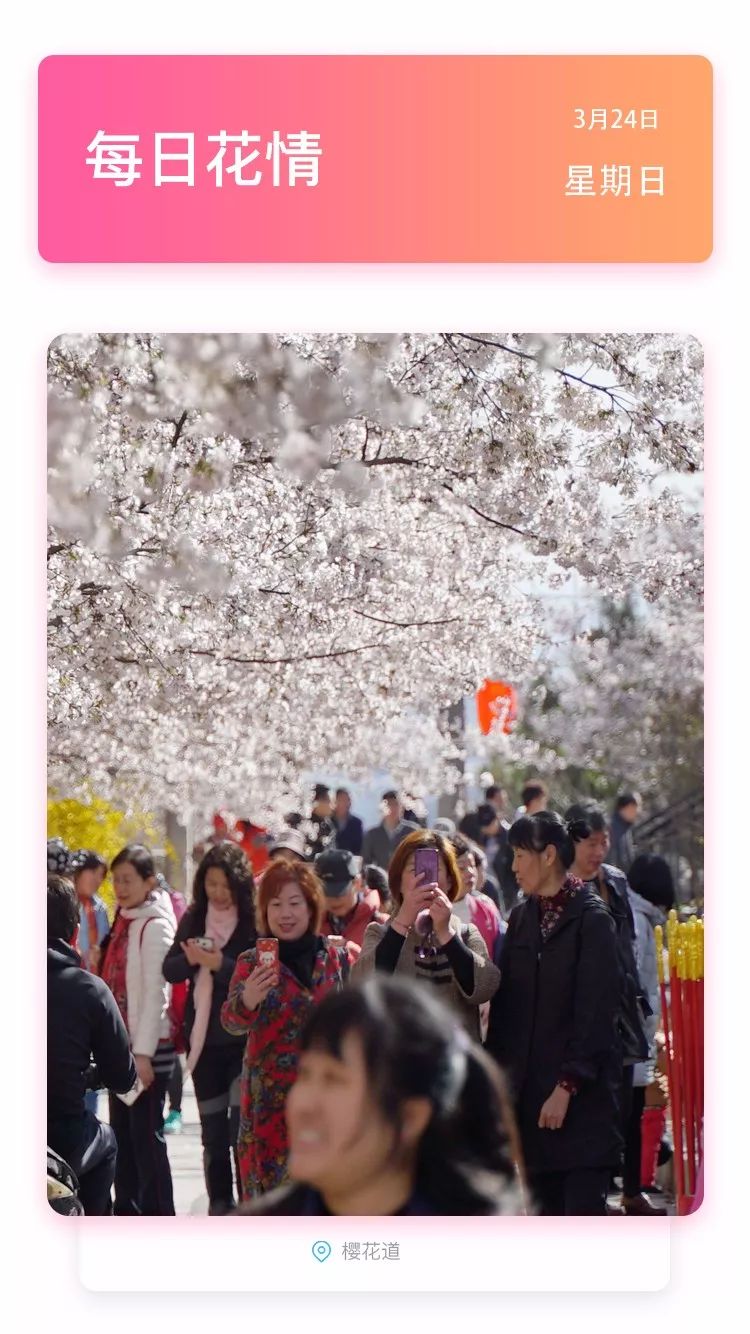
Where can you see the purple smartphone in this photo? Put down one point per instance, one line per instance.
(426, 864)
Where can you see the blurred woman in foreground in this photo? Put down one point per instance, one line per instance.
(395, 1111)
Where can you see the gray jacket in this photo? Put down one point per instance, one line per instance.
(646, 917)
(379, 846)
(466, 1006)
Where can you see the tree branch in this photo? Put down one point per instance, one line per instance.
(403, 625)
(178, 428)
(497, 523)
(274, 662)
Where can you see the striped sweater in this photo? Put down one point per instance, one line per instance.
(436, 971)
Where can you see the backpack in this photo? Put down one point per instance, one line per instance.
(176, 1015)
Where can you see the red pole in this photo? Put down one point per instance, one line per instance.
(701, 1074)
(698, 1070)
(678, 1111)
(674, 1091)
(686, 998)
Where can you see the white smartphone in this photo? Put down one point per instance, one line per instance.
(133, 1094)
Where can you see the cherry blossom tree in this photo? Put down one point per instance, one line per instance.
(624, 699)
(275, 553)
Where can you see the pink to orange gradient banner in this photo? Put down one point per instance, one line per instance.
(393, 159)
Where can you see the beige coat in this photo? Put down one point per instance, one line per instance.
(486, 975)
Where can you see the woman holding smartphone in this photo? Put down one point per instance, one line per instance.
(424, 939)
(217, 927)
(273, 988)
(133, 955)
(395, 1112)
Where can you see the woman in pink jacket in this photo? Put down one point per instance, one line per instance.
(472, 906)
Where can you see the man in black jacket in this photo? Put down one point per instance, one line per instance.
(611, 885)
(83, 1023)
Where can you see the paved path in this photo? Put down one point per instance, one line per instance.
(185, 1156)
(186, 1159)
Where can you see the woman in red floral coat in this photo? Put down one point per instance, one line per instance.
(290, 905)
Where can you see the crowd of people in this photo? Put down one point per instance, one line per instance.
(405, 1019)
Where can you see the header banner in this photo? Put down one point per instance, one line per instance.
(375, 159)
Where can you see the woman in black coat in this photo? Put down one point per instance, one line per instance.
(222, 910)
(553, 1023)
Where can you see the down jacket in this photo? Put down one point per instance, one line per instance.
(555, 1017)
(151, 930)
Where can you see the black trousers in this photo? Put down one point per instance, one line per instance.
(581, 1193)
(216, 1080)
(90, 1148)
(175, 1086)
(143, 1179)
(631, 1176)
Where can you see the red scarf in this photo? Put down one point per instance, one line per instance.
(115, 965)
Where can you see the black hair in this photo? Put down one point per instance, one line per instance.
(230, 858)
(376, 878)
(486, 815)
(293, 819)
(534, 833)
(626, 799)
(590, 814)
(462, 846)
(413, 1049)
(480, 856)
(140, 858)
(493, 790)
(530, 791)
(63, 913)
(390, 795)
(651, 877)
(321, 791)
(86, 860)
(343, 792)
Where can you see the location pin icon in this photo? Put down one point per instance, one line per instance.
(321, 1250)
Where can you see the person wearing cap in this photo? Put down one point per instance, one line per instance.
(444, 826)
(348, 912)
(381, 842)
(290, 844)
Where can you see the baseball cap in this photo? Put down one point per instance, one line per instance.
(444, 826)
(290, 840)
(335, 868)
